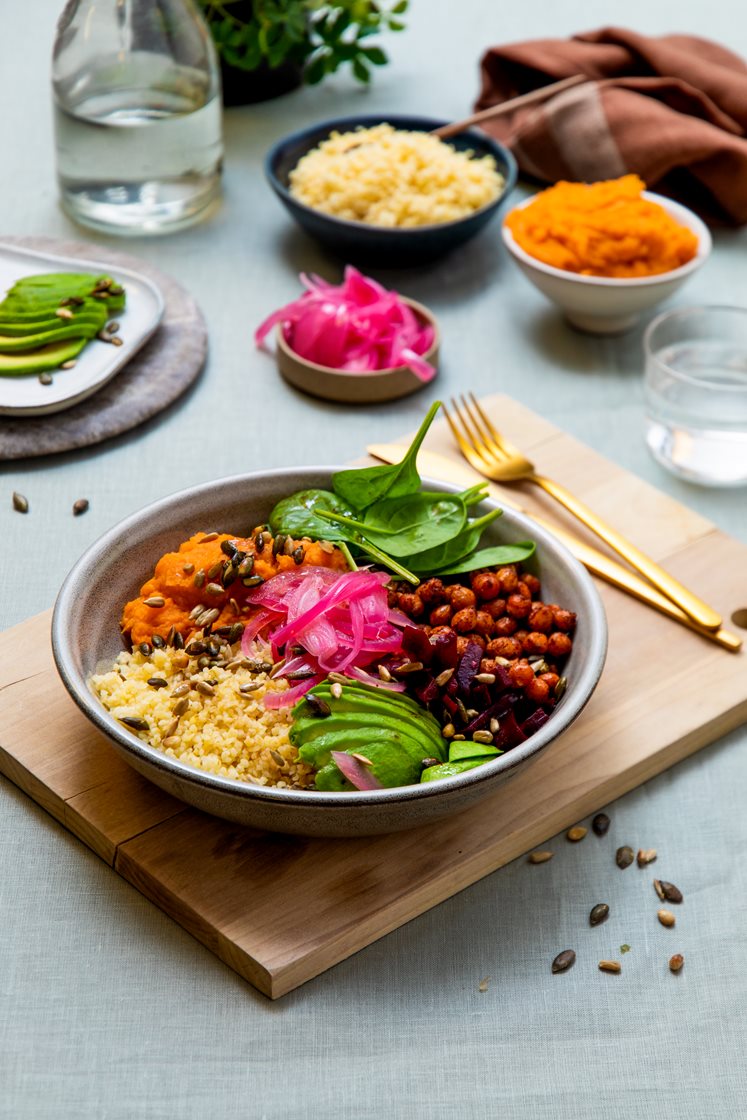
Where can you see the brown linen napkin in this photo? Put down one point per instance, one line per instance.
(673, 109)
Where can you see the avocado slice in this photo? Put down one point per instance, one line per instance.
(345, 716)
(89, 322)
(46, 357)
(449, 769)
(11, 345)
(317, 752)
(388, 764)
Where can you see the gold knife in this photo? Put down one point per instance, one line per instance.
(439, 467)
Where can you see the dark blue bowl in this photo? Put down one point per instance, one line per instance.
(356, 241)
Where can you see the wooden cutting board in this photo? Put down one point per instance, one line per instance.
(280, 909)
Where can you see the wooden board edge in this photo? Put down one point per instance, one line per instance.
(32, 786)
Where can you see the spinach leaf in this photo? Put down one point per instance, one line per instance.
(405, 526)
(434, 559)
(296, 515)
(362, 487)
(490, 557)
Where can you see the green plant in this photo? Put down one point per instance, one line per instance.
(318, 37)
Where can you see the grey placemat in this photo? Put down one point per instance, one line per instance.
(150, 382)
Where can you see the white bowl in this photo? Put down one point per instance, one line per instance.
(610, 305)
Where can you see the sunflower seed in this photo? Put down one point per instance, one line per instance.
(277, 758)
(361, 758)
(155, 601)
(135, 723)
(444, 678)
(326, 546)
(188, 568)
(318, 706)
(181, 706)
(178, 642)
(205, 689)
(576, 833)
(158, 682)
(171, 729)
(600, 824)
(599, 913)
(676, 962)
(666, 917)
(624, 857)
(428, 762)
(234, 607)
(610, 966)
(20, 503)
(213, 570)
(560, 687)
(253, 581)
(646, 855)
(180, 690)
(250, 686)
(384, 673)
(170, 741)
(200, 577)
(336, 689)
(64, 313)
(407, 667)
(564, 961)
(667, 891)
(112, 327)
(214, 589)
(540, 857)
(485, 678)
(208, 537)
(116, 340)
(46, 377)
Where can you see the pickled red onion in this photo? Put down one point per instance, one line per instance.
(358, 326)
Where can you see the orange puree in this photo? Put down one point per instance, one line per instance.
(602, 229)
(177, 587)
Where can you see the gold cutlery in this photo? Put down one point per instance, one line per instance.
(493, 456)
(439, 467)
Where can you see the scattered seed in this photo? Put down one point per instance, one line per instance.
(326, 546)
(181, 706)
(625, 948)
(483, 985)
(495, 726)
(576, 833)
(135, 723)
(199, 579)
(485, 678)
(178, 642)
(667, 891)
(180, 690)
(610, 966)
(336, 689)
(564, 961)
(228, 548)
(361, 758)
(145, 648)
(259, 542)
(646, 855)
(214, 589)
(158, 682)
(279, 543)
(249, 687)
(600, 824)
(158, 642)
(666, 917)
(482, 737)
(214, 569)
(69, 364)
(426, 763)
(104, 336)
(208, 617)
(298, 555)
(188, 568)
(195, 613)
(384, 673)
(540, 857)
(80, 506)
(116, 340)
(235, 608)
(20, 503)
(171, 729)
(112, 327)
(318, 706)
(459, 738)
(407, 667)
(155, 601)
(64, 313)
(228, 575)
(170, 741)
(277, 758)
(246, 567)
(46, 378)
(599, 913)
(676, 962)
(444, 678)
(208, 537)
(448, 731)
(205, 689)
(253, 581)
(624, 857)
(560, 687)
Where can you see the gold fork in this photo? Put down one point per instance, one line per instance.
(493, 456)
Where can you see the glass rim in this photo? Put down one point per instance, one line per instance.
(680, 375)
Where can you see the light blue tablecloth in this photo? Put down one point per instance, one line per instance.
(111, 1011)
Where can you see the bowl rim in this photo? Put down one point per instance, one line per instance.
(395, 119)
(420, 309)
(676, 209)
(124, 740)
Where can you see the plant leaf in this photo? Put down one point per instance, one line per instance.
(296, 515)
(490, 558)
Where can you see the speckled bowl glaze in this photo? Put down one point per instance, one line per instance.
(392, 247)
(85, 635)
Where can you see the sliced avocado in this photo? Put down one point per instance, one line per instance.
(317, 752)
(362, 693)
(459, 751)
(305, 729)
(37, 361)
(12, 345)
(388, 764)
(449, 769)
(83, 320)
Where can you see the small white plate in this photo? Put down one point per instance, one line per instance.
(99, 361)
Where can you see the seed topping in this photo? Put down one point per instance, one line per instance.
(624, 857)
(676, 962)
(576, 833)
(563, 961)
(540, 857)
(646, 855)
(600, 824)
(666, 917)
(599, 913)
(610, 966)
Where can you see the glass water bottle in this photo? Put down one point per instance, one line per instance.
(137, 104)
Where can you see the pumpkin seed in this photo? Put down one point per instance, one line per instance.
(246, 567)
(600, 824)
(253, 581)
(135, 723)
(279, 543)
(599, 913)
(298, 555)
(158, 682)
(667, 891)
(229, 548)
(188, 568)
(259, 542)
(624, 857)
(676, 962)
(564, 961)
(646, 855)
(158, 642)
(20, 503)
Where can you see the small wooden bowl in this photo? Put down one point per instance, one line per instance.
(356, 388)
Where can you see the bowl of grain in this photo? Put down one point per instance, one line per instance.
(387, 191)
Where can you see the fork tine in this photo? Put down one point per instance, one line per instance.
(499, 441)
(469, 448)
(491, 450)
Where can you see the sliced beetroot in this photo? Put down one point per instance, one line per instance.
(469, 666)
(500, 708)
(509, 734)
(427, 690)
(535, 721)
(415, 642)
(450, 705)
(445, 649)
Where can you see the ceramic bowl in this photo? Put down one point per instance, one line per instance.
(356, 241)
(85, 636)
(608, 305)
(355, 388)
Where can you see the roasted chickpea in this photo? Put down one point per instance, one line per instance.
(521, 674)
(564, 620)
(496, 608)
(464, 620)
(411, 604)
(538, 690)
(486, 585)
(550, 679)
(559, 645)
(463, 642)
(541, 618)
(521, 636)
(532, 583)
(391, 597)
(432, 592)
(441, 616)
(523, 589)
(518, 606)
(504, 647)
(508, 580)
(437, 630)
(461, 597)
(484, 623)
(489, 665)
(505, 627)
(535, 643)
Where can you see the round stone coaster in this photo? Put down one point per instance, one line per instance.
(154, 378)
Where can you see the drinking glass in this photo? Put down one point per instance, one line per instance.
(696, 393)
